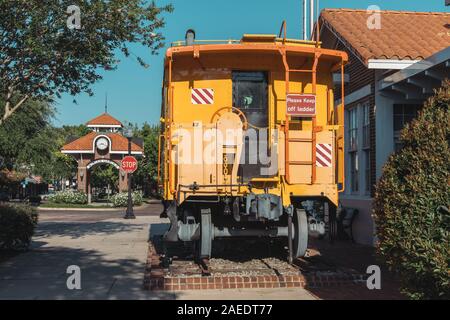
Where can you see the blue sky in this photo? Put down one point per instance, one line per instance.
(134, 93)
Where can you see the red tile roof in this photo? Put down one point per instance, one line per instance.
(118, 143)
(403, 34)
(104, 119)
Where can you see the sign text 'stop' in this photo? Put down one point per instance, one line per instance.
(129, 164)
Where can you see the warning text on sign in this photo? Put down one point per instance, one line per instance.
(301, 105)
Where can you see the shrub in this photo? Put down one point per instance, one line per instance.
(17, 224)
(35, 200)
(413, 233)
(121, 199)
(69, 197)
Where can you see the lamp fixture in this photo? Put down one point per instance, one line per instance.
(128, 132)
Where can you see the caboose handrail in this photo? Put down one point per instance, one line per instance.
(283, 28)
(159, 159)
(181, 43)
(342, 122)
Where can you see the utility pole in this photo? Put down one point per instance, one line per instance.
(317, 20)
(305, 16)
(311, 18)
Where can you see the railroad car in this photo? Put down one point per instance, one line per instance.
(252, 141)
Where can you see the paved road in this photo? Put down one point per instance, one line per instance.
(111, 253)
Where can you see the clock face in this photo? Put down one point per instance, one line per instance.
(102, 144)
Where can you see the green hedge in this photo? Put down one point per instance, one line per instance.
(414, 235)
(69, 197)
(121, 199)
(17, 224)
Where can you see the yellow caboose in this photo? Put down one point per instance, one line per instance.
(251, 142)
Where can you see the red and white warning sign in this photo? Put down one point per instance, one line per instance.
(324, 155)
(202, 96)
(301, 105)
(129, 164)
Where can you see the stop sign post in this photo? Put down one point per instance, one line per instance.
(129, 164)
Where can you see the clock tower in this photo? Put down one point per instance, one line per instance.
(105, 144)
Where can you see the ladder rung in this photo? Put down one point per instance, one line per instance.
(300, 70)
(300, 163)
(300, 140)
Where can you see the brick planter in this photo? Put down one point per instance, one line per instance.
(157, 278)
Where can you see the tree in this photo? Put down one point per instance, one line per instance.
(24, 135)
(146, 175)
(42, 57)
(412, 226)
(29, 144)
(105, 175)
(62, 166)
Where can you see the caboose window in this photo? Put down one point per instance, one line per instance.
(250, 95)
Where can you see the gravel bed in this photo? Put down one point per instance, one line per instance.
(225, 267)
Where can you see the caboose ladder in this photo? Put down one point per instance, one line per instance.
(314, 130)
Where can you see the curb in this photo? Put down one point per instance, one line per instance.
(82, 209)
(154, 201)
(97, 209)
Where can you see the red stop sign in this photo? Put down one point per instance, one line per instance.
(129, 164)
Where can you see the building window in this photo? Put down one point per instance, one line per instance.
(366, 125)
(367, 171)
(403, 114)
(353, 148)
(366, 145)
(354, 172)
(353, 129)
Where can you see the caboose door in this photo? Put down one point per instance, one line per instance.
(250, 95)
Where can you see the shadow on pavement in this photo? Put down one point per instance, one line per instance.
(357, 292)
(41, 274)
(79, 229)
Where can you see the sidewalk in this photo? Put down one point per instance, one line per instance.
(110, 253)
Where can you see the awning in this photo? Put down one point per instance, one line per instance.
(418, 81)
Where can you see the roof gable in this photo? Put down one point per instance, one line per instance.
(104, 119)
(86, 143)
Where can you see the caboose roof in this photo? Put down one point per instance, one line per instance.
(269, 46)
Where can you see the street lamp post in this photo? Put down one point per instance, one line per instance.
(128, 133)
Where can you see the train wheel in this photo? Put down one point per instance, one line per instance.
(300, 243)
(206, 236)
(330, 220)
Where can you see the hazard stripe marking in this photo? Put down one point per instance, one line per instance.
(202, 96)
(324, 155)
